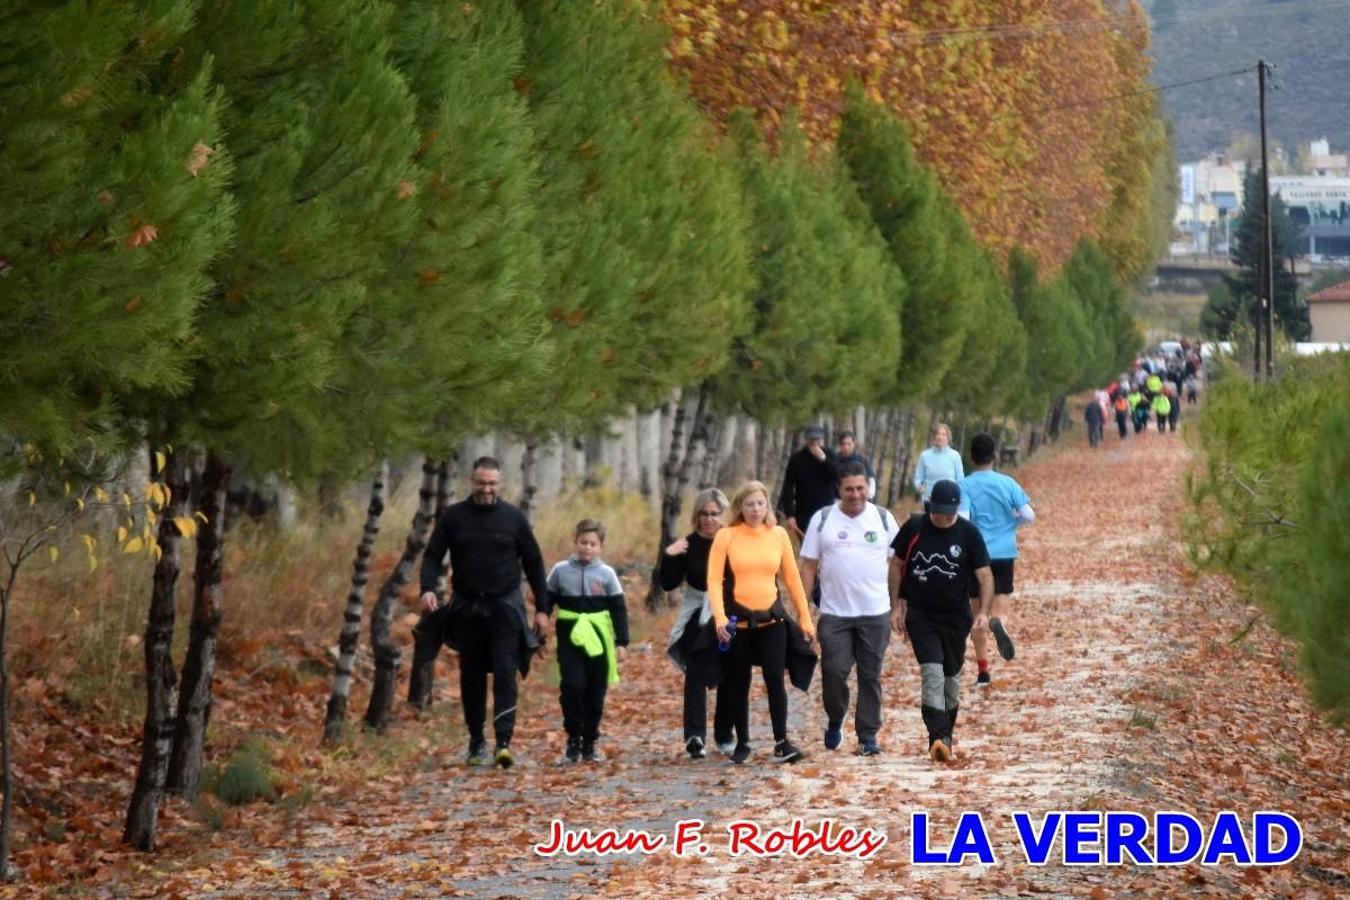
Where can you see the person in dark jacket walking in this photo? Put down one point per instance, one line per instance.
(686, 562)
(810, 482)
(489, 542)
(849, 453)
(1092, 415)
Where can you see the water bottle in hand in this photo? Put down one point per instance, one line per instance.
(722, 645)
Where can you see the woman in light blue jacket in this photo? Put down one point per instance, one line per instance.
(938, 462)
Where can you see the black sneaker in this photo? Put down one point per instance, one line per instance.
(573, 751)
(785, 752)
(694, 746)
(983, 680)
(869, 747)
(834, 736)
(589, 753)
(504, 757)
(740, 754)
(477, 752)
(1005, 643)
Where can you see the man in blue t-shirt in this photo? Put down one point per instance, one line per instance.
(997, 505)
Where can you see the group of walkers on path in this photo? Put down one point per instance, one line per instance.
(1152, 389)
(936, 579)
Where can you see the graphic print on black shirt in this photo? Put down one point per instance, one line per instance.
(941, 565)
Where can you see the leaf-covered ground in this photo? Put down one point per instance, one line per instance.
(1137, 686)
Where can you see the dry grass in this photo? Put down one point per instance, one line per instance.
(631, 523)
(82, 631)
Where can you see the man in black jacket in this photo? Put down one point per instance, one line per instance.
(810, 482)
(489, 541)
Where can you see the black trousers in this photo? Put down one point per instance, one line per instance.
(489, 636)
(765, 647)
(583, 683)
(940, 648)
(1120, 423)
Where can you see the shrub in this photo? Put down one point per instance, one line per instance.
(247, 776)
(1271, 507)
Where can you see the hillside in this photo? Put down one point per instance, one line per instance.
(1308, 41)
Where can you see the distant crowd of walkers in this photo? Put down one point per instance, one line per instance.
(936, 578)
(1151, 390)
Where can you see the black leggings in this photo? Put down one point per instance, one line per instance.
(765, 647)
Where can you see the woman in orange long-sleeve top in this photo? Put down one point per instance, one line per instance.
(758, 551)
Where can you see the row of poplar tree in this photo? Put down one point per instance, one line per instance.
(313, 235)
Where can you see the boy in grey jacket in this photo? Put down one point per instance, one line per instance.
(592, 622)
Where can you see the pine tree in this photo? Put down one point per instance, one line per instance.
(645, 265)
(1245, 286)
(1056, 333)
(112, 203)
(822, 281)
(1114, 338)
(903, 200)
(321, 126)
(469, 277)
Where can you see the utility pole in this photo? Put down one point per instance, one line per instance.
(1266, 314)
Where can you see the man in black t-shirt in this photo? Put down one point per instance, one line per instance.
(936, 556)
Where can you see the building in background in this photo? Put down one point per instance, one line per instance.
(1322, 162)
(1329, 310)
(1209, 198)
(1320, 207)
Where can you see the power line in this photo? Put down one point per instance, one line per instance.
(1157, 88)
(1015, 30)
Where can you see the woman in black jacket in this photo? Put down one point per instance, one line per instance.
(686, 561)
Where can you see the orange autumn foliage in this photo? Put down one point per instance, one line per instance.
(1003, 100)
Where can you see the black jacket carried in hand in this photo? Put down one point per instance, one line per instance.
(488, 546)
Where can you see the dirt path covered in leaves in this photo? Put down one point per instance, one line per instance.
(1128, 692)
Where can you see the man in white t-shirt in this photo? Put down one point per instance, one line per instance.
(848, 545)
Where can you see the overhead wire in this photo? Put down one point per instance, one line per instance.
(1152, 89)
(1016, 30)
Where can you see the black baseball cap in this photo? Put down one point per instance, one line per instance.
(946, 497)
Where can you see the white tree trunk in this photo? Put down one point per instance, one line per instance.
(550, 469)
(649, 455)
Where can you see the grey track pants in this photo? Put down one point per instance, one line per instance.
(846, 641)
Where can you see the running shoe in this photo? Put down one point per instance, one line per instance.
(726, 747)
(941, 750)
(983, 680)
(589, 753)
(834, 736)
(504, 758)
(869, 747)
(740, 754)
(694, 747)
(573, 752)
(785, 752)
(1001, 637)
(477, 752)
